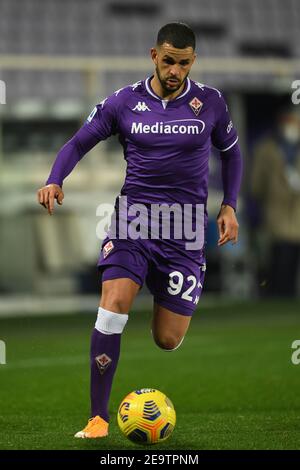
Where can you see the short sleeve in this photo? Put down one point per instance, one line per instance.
(224, 134)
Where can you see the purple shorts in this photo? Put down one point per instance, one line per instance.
(174, 279)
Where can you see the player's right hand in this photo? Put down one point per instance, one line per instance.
(47, 194)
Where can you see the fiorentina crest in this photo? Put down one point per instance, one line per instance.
(196, 105)
(107, 248)
(103, 361)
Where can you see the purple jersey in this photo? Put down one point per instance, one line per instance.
(166, 146)
(166, 143)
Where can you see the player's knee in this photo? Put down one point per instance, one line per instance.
(117, 295)
(115, 303)
(168, 342)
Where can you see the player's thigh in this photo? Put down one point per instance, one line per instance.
(118, 294)
(123, 267)
(168, 327)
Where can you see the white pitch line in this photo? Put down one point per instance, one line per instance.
(46, 362)
(63, 361)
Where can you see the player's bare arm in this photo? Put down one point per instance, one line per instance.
(228, 225)
(48, 194)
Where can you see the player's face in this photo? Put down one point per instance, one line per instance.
(172, 65)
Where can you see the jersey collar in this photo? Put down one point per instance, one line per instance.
(151, 92)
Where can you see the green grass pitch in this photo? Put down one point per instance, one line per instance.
(232, 382)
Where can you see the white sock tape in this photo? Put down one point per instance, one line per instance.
(109, 322)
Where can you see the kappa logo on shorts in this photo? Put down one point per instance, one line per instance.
(103, 362)
(107, 248)
(196, 105)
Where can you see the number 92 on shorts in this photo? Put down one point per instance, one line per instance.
(174, 277)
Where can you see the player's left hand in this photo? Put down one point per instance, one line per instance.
(228, 225)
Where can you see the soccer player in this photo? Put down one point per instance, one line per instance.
(166, 125)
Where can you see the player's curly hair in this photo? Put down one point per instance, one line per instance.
(179, 35)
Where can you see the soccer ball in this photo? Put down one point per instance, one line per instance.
(146, 416)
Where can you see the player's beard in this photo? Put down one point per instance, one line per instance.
(169, 90)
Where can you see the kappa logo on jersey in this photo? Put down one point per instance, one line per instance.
(202, 88)
(107, 248)
(136, 84)
(141, 106)
(103, 361)
(196, 105)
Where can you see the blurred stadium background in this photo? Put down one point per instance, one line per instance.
(58, 59)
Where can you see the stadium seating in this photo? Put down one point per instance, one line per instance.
(46, 105)
(117, 27)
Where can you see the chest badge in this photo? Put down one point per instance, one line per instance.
(196, 105)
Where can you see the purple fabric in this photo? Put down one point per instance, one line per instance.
(117, 272)
(162, 266)
(231, 174)
(167, 149)
(101, 383)
(70, 154)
